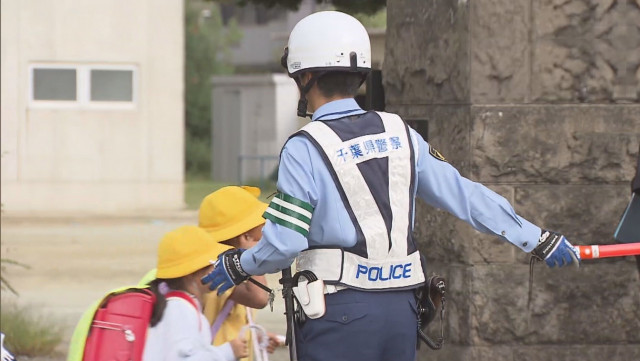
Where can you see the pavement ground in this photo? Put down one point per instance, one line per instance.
(74, 261)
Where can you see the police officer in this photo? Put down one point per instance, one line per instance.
(347, 183)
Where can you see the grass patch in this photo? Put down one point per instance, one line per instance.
(196, 189)
(29, 333)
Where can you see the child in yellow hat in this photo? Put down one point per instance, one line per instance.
(233, 216)
(178, 328)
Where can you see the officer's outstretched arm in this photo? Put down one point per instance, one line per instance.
(442, 186)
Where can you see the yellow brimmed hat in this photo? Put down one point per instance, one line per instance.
(186, 250)
(231, 211)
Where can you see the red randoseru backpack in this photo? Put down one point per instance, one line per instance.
(119, 328)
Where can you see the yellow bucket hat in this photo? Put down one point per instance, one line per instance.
(231, 211)
(186, 250)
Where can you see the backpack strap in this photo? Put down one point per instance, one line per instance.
(224, 313)
(187, 297)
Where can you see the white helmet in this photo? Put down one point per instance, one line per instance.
(328, 41)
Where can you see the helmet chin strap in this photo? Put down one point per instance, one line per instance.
(304, 89)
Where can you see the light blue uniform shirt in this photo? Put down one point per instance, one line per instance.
(303, 174)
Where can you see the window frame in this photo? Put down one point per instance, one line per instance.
(83, 87)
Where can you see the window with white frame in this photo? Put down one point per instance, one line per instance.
(68, 85)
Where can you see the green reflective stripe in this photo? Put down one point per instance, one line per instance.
(284, 223)
(287, 218)
(290, 213)
(295, 201)
(292, 207)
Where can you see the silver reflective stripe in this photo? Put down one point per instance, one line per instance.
(326, 263)
(361, 200)
(416, 156)
(400, 167)
(355, 187)
(385, 267)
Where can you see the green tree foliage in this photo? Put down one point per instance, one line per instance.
(207, 53)
(377, 20)
(348, 6)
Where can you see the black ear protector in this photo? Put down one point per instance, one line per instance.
(302, 103)
(304, 89)
(283, 59)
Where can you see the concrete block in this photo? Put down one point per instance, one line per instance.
(565, 307)
(585, 214)
(599, 303)
(499, 40)
(577, 353)
(427, 52)
(563, 165)
(446, 127)
(499, 299)
(458, 304)
(452, 352)
(585, 51)
(555, 144)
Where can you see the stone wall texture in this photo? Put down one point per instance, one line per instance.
(540, 101)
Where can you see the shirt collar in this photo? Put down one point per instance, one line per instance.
(337, 109)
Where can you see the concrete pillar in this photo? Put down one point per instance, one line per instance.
(538, 100)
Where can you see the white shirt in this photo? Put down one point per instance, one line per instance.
(183, 333)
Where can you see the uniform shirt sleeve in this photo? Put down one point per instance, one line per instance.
(186, 338)
(280, 245)
(441, 185)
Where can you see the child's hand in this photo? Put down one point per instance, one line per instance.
(274, 341)
(240, 347)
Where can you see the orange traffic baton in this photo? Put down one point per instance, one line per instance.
(609, 250)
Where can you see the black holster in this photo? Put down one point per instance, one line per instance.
(430, 299)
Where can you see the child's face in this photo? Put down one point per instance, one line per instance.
(251, 237)
(203, 288)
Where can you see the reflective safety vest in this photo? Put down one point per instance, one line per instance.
(372, 161)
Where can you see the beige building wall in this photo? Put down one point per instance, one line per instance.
(93, 158)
